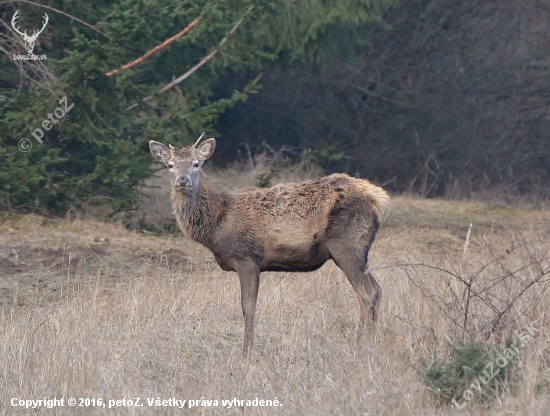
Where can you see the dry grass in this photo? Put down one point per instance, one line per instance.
(154, 316)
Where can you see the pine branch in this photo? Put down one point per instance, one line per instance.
(155, 49)
(204, 60)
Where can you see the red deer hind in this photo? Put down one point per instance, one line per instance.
(292, 227)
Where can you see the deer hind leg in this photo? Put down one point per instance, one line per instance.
(249, 276)
(372, 300)
(367, 289)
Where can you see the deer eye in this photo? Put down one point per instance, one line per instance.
(196, 164)
(170, 165)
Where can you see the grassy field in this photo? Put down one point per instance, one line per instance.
(92, 310)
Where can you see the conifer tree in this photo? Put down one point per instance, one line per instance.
(97, 152)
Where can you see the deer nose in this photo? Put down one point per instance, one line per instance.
(184, 181)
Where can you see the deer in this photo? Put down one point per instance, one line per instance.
(293, 227)
(29, 40)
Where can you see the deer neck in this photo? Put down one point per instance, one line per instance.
(194, 212)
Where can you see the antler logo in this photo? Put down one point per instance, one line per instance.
(29, 40)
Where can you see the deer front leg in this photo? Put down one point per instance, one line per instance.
(249, 276)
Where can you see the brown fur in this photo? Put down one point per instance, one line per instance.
(292, 227)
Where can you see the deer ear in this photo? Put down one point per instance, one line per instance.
(206, 148)
(159, 151)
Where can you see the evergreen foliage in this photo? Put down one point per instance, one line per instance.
(470, 365)
(98, 151)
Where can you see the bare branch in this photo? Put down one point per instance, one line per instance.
(155, 49)
(511, 303)
(65, 14)
(204, 60)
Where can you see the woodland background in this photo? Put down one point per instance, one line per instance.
(433, 97)
(444, 102)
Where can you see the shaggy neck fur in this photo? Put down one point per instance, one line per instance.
(194, 212)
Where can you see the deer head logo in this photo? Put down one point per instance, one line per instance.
(29, 40)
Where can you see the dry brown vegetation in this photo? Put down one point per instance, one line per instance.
(460, 88)
(93, 310)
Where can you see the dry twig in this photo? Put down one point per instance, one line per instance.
(65, 14)
(204, 60)
(155, 49)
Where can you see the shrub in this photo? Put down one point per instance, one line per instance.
(470, 366)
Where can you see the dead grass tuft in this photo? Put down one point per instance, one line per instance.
(153, 316)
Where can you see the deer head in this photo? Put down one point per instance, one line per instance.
(29, 40)
(185, 163)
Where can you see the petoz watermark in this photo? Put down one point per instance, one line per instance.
(493, 368)
(52, 118)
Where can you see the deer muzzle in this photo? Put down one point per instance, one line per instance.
(183, 182)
